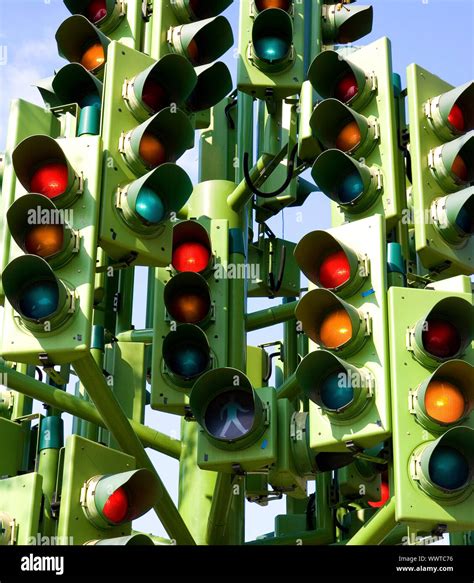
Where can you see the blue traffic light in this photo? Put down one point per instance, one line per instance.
(271, 48)
(448, 468)
(39, 299)
(336, 391)
(351, 188)
(149, 206)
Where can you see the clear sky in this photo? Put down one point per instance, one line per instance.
(437, 34)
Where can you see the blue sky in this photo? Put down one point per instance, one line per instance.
(437, 34)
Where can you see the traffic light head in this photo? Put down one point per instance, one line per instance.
(447, 396)
(452, 113)
(116, 499)
(332, 76)
(329, 263)
(150, 201)
(36, 294)
(272, 39)
(42, 167)
(203, 41)
(169, 81)
(186, 354)
(79, 41)
(228, 409)
(105, 14)
(451, 163)
(338, 126)
(38, 229)
(454, 216)
(340, 389)
(331, 322)
(444, 332)
(344, 23)
(163, 138)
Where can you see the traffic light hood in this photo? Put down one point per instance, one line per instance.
(214, 83)
(441, 108)
(346, 24)
(108, 22)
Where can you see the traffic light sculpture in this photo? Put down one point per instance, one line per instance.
(345, 375)
(432, 399)
(271, 48)
(49, 281)
(193, 300)
(359, 169)
(442, 154)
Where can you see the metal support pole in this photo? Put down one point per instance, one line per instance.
(377, 528)
(290, 343)
(121, 429)
(270, 316)
(144, 336)
(84, 410)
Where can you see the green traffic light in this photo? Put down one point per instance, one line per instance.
(149, 206)
(448, 468)
(336, 391)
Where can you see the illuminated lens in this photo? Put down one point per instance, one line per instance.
(39, 300)
(384, 496)
(154, 95)
(444, 402)
(151, 150)
(96, 10)
(334, 270)
(460, 169)
(349, 137)
(465, 218)
(336, 329)
(93, 57)
(351, 188)
(44, 240)
(149, 206)
(230, 415)
(188, 360)
(448, 468)
(191, 257)
(50, 179)
(456, 118)
(116, 507)
(271, 48)
(346, 87)
(189, 306)
(281, 4)
(336, 390)
(441, 338)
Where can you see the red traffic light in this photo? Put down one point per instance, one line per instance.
(116, 508)
(334, 270)
(50, 179)
(190, 256)
(441, 338)
(154, 95)
(346, 88)
(456, 118)
(384, 496)
(96, 10)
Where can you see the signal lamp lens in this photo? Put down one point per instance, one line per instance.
(193, 52)
(189, 360)
(191, 257)
(459, 168)
(39, 299)
(264, 4)
(93, 99)
(50, 179)
(441, 338)
(271, 48)
(189, 306)
(230, 415)
(336, 329)
(149, 206)
(444, 402)
(152, 150)
(349, 137)
(154, 95)
(351, 188)
(93, 57)
(465, 219)
(96, 10)
(336, 390)
(448, 468)
(346, 87)
(334, 270)
(456, 118)
(384, 496)
(44, 240)
(116, 507)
